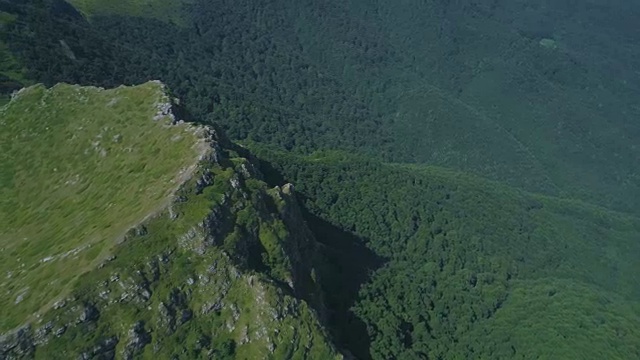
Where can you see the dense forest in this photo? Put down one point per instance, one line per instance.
(483, 200)
(474, 269)
(427, 82)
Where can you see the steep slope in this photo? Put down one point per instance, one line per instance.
(80, 166)
(475, 269)
(520, 93)
(214, 263)
(539, 96)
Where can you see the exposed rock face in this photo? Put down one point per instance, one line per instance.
(17, 344)
(89, 313)
(104, 349)
(138, 338)
(227, 265)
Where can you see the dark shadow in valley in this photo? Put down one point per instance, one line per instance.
(271, 175)
(346, 265)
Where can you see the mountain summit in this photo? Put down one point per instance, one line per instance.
(129, 232)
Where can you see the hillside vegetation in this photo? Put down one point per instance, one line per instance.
(126, 235)
(469, 170)
(473, 268)
(12, 73)
(79, 167)
(547, 106)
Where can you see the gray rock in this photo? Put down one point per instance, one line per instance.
(235, 182)
(247, 170)
(205, 180)
(153, 269)
(164, 110)
(138, 339)
(186, 316)
(166, 318)
(17, 344)
(41, 335)
(59, 304)
(89, 313)
(145, 294)
(212, 306)
(103, 350)
(60, 331)
(172, 214)
(141, 230)
(163, 258)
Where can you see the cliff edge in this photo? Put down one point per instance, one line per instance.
(202, 260)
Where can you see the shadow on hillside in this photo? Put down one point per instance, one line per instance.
(346, 264)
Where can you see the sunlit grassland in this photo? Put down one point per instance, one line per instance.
(250, 298)
(78, 167)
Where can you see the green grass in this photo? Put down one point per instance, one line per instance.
(78, 168)
(166, 10)
(163, 261)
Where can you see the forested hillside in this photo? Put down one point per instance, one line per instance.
(546, 105)
(11, 71)
(470, 168)
(472, 268)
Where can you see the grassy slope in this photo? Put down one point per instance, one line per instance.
(79, 166)
(83, 167)
(546, 271)
(233, 313)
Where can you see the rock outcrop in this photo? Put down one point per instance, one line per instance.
(224, 269)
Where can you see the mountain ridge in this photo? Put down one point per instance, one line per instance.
(468, 262)
(455, 167)
(226, 249)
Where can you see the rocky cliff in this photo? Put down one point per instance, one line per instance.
(225, 270)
